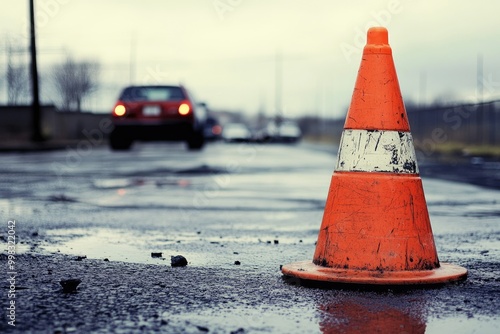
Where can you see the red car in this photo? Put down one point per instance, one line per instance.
(157, 113)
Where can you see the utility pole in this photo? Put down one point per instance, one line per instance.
(133, 59)
(36, 135)
(278, 78)
(480, 100)
(422, 87)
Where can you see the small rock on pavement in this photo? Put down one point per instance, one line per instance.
(156, 254)
(70, 285)
(203, 329)
(178, 261)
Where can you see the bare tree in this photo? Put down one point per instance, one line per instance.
(17, 79)
(75, 81)
(17, 83)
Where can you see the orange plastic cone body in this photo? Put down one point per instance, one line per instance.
(376, 227)
(376, 222)
(376, 102)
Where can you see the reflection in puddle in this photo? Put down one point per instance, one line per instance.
(384, 314)
(349, 316)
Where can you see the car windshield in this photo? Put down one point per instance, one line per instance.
(152, 93)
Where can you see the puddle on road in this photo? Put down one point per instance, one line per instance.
(349, 314)
(20, 248)
(120, 183)
(301, 320)
(462, 325)
(118, 245)
(127, 246)
(112, 183)
(245, 320)
(136, 247)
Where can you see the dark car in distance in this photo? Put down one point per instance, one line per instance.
(282, 132)
(213, 130)
(157, 113)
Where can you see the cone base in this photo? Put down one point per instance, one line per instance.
(309, 271)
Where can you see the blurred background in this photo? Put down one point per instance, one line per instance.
(254, 63)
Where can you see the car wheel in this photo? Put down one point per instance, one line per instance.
(118, 142)
(196, 142)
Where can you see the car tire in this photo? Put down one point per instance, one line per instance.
(118, 142)
(196, 142)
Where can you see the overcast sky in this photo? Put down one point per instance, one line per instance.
(226, 50)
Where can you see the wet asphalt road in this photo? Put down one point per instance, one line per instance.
(236, 212)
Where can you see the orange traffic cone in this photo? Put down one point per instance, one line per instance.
(376, 227)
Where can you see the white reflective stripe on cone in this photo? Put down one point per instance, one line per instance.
(377, 151)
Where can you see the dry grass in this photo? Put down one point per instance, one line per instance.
(466, 150)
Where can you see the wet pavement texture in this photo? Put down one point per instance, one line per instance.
(236, 213)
